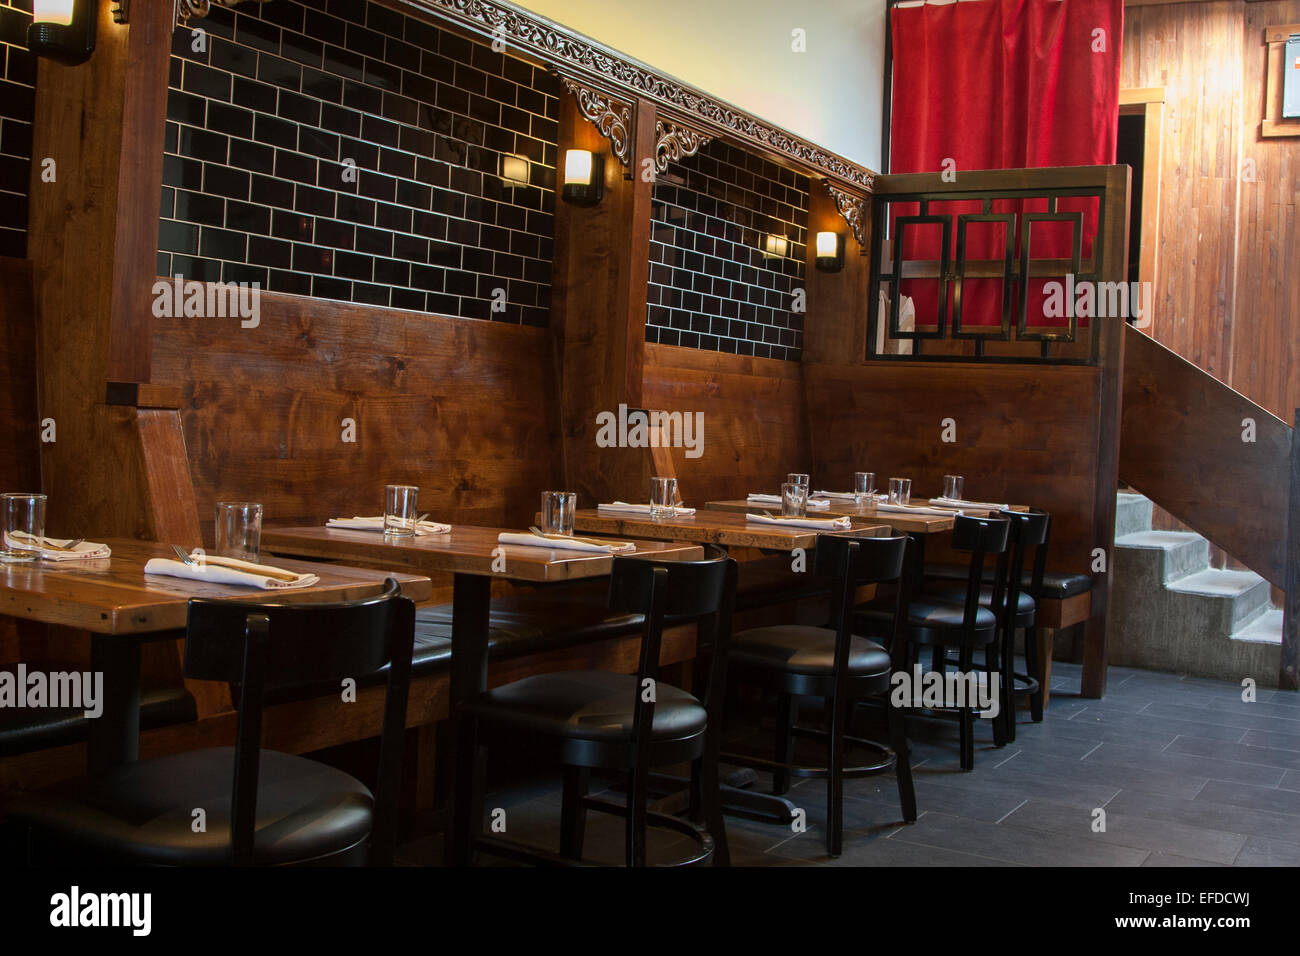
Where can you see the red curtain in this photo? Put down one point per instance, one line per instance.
(1002, 84)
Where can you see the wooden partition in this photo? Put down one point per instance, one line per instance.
(313, 411)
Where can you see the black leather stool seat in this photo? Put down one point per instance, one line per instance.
(141, 813)
(955, 591)
(1056, 586)
(767, 581)
(922, 613)
(24, 729)
(799, 649)
(588, 705)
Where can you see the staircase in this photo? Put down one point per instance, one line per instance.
(1170, 610)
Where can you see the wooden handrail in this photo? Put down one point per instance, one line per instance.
(1206, 454)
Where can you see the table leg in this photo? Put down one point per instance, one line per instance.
(115, 734)
(470, 612)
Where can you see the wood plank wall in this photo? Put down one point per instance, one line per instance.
(466, 410)
(1227, 294)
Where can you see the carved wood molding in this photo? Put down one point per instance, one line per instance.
(612, 117)
(854, 210)
(571, 53)
(198, 9)
(673, 142)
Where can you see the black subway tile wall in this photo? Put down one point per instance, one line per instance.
(17, 101)
(347, 151)
(713, 285)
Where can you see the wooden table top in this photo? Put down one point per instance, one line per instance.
(466, 550)
(919, 524)
(714, 527)
(113, 596)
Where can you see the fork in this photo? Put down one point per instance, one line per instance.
(70, 546)
(185, 558)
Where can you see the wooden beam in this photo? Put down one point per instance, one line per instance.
(1147, 94)
(835, 321)
(1289, 677)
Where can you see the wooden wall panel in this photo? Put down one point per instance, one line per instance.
(20, 466)
(754, 422)
(1193, 50)
(464, 409)
(887, 418)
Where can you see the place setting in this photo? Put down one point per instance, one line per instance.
(795, 503)
(24, 541)
(557, 515)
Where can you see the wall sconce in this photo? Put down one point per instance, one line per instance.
(514, 169)
(775, 247)
(830, 251)
(63, 30)
(584, 177)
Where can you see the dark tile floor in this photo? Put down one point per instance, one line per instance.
(1186, 773)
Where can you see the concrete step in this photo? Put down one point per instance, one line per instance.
(1264, 629)
(1158, 557)
(1132, 514)
(1232, 598)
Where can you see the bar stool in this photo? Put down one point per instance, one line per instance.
(258, 806)
(830, 663)
(631, 724)
(939, 624)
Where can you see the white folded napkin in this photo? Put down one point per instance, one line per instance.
(776, 500)
(915, 510)
(624, 508)
(377, 524)
(56, 549)
(838, 495)
(564, 543)
(215, 570)
(842, 523)
(972, 505)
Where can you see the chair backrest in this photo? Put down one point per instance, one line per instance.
(702, 590)
(257, 645)
(982, 537)
(850, 561)
(1029, 529)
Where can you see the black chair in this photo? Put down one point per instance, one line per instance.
(1018, 609)
(258, 806)
(797, 660)
(938, 624)
(627, 723)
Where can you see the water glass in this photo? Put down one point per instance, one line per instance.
(22, 519)
(239, 530)
(900, 491)
(557, 511)
(400, 510)
(794, 500)
(864, 487)
(802, 481)
(953, 486)
(663, 497)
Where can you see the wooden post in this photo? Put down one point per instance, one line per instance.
(1289, 677)
(835, 326)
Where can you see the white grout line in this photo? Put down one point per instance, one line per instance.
(1091, 752)
(1011, 811)
(1012, 757)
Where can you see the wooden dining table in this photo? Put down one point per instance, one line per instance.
(899, 521)
(714, 527)
(121, 607)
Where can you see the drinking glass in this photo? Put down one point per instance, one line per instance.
(239, 530)
(22, 521)
(794, 500)
(400, 509)
(953, 486)
(864, 487)
(900, 491)
(557, 511)
(663, 497)
(802, 481)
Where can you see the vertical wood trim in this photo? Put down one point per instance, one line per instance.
(1289, 675)
(835, 320)
(1109, 403)
(1152, 154)
(139, 189)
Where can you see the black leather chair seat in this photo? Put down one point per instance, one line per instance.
(799, 649)
(1056, 586)
(142, 812)
(24, 729)
(955, 591)
(767, 581)
(588, 705)
(923, 614)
